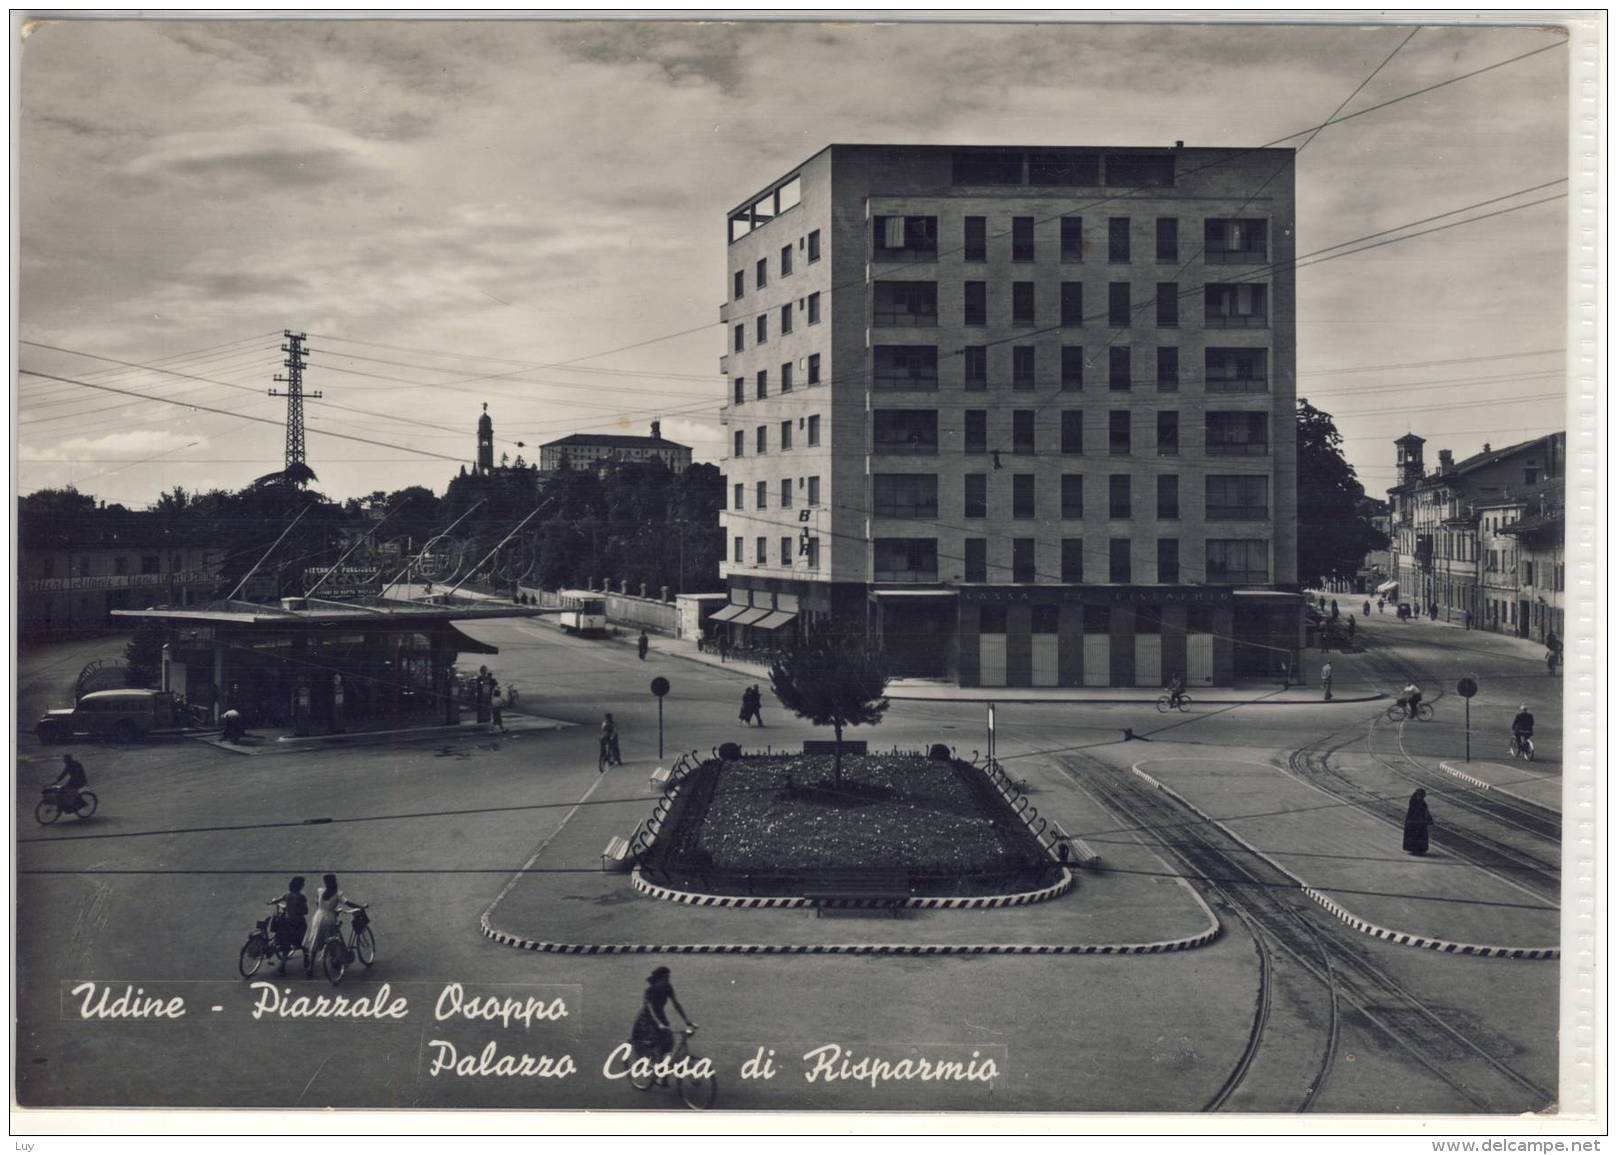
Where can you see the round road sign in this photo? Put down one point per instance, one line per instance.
(1467, 687)
(659, 686)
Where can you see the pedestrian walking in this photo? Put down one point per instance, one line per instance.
(1325, 679)
(1336, 610)
(724, 647)
(643, 645)
(1353, 628)
(1417, 824)
(758, 706)
(1468, 619)
(746, 707)
(1381, 606)
(1433, 609)
(1366, 607)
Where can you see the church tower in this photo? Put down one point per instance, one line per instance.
(1411, 466)
(485, 443)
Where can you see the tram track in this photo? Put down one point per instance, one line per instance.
(1284, 923)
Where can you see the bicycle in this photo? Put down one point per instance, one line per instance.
(697, 1091)
(1399, 711)
(1167, 703)
(51, 807)
(1521, 746)
(608, 754)
(338, 951)
(264, 944)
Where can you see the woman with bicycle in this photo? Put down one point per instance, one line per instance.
(327, 921)
(652, 1034)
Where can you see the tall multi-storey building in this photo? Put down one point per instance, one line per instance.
(601, 451)
(1028, 415)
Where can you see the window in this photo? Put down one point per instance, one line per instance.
(761, 550)
(741, 390)
(1167, 239)
(1119, 503)
(906, 367)
(1021, 238)
(1236, 242)
(976, 436)
(1022, 366)
(1167, 497)
(811, 550)
(814, 429)
(786, 377)
(741, 493)
(1237, 370)
(1072, 304)
(814, 308)
(814, 369)
(1238, 433)
(906, 559)
(976, 303)
(785, 319)
(1168, 560)
(1022, 431)
(1072, 368)
(1072, 560)
(1139, 170)
(763, 328)
(786, 493)
(814, 246)
(740, 284)
(1237, 562)
(1072, 495)
(987, 167)
(786, 553)
(741, 338)
(1063, 168)
(1167, 433)
(1072, 238)
(1119, 434)
(1120, 569)
(905, 303)
(976, 495)
(1121, 369)
(904, 238)
(1237, 306)
(1167, 306)
(1072, 431)
(976, 367)
(785, 435)
(976, 559)
(741, 441)
(1237, 497)
(763, 384)
(1117, 240)
(738, 552)
(786, 260)
(761, 276)
(1022, 567)
(760, 443)
(1022, 303)
(814, 491)
(1167, 369)
(905, 430)
(1022, 496)
(1118, 310)
(762, 490)
(976, 248)
(905, 494)
(991, 619)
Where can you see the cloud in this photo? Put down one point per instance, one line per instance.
(134, 444)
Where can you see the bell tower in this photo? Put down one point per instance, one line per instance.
(1411, 458)
(485, 442)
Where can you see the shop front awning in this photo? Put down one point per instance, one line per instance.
(728, 614)
(1387, 588)
(751, 617)
(774, 621)
(466, 644)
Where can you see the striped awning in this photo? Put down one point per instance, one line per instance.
(1386, 587)
(728, 613)
(751, 617)
(774, 621)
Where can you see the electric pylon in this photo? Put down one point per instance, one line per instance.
(294, 401)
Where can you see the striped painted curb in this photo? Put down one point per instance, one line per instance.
(751, 902)
(1404, 938)
(1511, 794)
(1436, 944)
(1464, 777)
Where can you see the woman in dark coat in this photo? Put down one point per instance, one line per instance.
(1417, 824)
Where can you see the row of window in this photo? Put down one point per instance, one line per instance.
(1063, 168)
(914, 304)
(760, 276)
(1225, 370)
(809, 305)
(915, 431)
(787, 379)
(1228, 497)
(808, 487)
(760, 440)
(1225, 240)
(805, 549)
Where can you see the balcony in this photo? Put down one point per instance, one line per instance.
(1237, 448)
(1237, 513)
(1237, 385)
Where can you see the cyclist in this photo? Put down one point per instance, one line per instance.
(72, 779)
(1410, 699)
(1176, 691)
(291, 922)
(609, 744)
(652, 1034)
(1521, 730)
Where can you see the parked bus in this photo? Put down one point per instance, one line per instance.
(583, 612)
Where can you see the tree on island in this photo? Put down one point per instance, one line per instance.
(833, 679)
(1334, 529)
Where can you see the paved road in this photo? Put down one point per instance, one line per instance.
(158, 892)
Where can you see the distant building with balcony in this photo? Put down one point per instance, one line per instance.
(601, 451)
(1028, 415)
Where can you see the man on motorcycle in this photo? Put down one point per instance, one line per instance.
(72, 779)
(1521, 727)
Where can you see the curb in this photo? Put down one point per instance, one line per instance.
(748, 902)
(1403, 938)
(1492, 789)
(1339, 699)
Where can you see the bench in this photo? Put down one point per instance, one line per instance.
(660, 778)
(616, 855)
(888, 891)
(1083, 854)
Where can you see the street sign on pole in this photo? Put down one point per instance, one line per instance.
(1467, 689)
(659, 687)
(990, 733)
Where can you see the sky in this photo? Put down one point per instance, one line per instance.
(531, 214)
